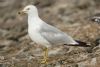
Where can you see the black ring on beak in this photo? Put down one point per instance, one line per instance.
(21, 13)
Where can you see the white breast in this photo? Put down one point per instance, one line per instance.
(34, 25)
(35, 35)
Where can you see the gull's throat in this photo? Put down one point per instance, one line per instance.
(34, 21)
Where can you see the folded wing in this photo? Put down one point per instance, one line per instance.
(55, 36)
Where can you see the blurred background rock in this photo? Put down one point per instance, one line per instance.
(71, 16)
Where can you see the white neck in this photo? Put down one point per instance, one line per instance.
(34, 21)
(33, 14)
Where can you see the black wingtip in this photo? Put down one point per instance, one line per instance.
(84, 44)
(81, 44)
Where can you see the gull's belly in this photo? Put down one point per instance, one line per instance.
(37, 38)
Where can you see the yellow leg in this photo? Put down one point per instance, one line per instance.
(45, 57)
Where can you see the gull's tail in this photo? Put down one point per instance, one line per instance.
(84, 44)
(80, 43)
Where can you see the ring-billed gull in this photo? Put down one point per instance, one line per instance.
(43, 33)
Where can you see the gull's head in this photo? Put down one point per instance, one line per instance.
(30, 10)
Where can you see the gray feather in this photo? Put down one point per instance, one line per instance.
(55, 36)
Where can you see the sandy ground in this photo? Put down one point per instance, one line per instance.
(70, 16)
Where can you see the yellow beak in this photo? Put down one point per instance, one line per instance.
(21, 12)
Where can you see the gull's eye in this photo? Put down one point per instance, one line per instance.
(28, 8)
